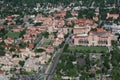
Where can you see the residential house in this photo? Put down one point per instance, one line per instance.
(26, 38)
(60, 35)
(49, 49)
(33, 32)
(58, 41)
(2, 27)
(9, 18)
(65, 30)
(50, 29)
(9, 41)
(114, 16)
(17, 29)
(95, 18)
(22, 49)
(7, 47)
(11, 23)
(74, 13)
(31, 46)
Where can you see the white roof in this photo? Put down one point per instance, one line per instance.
(82, 35)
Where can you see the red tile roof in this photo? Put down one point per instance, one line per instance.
(100, 30)
(84, 21)
(1, 72)
(31, 46)
(9, 18)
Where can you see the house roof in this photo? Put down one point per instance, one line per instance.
(0, 38)
(113, 15)
(1, 72)
(31, 46)
(100, 32)
(17, 28)
(59, 39)
(9, 39)
(84, 21)
(22, 49)
(9, 18)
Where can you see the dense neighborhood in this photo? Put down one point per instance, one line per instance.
(59, 39)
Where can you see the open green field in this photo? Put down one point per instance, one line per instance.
(46, 43)
(94, 49)
(13, 34)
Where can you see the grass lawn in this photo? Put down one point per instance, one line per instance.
(46, 43)
(13, 34)
(95, 49)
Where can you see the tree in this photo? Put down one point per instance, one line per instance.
(103, 14)
(66, 47)
(15, 55)
(38, 24)
(115, 61)
(57, 77)
(61, 45)
(3, 32)
(2, 51)
(24, 72)
(21, 63)
(12, 49)
(2, 43)
(55, 34)
(72, 72)
(84, 76)
(22, 45)
(106, 62)
(116, 73)
(22, 33)
(5, 22)
(12, 78)
(39, 50)
(90, 14)
(68, 14)
(45, 34)
(30, 21)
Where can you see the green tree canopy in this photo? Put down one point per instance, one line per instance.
(45, 34)
(22, 63)
(39, 50)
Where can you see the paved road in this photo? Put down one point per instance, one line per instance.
(55, 61)
(39, 44)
